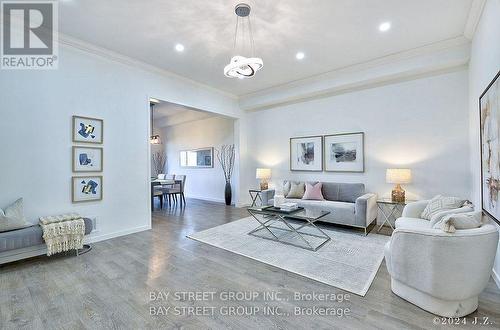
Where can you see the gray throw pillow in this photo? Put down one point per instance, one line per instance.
(440, 203)
(13, 217)
(296, 190)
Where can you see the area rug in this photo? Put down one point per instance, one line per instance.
(349, 261)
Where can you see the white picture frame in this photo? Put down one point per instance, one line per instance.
(344, 152)
(306, 153)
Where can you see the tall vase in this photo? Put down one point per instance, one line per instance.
(228, 193)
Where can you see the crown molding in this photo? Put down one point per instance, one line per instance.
(476, 10)
(442, 56)
(398, 56)
(323, 84)
(86, 47)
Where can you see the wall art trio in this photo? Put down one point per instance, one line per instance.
(87, 159)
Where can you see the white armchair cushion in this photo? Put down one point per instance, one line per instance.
(440, 203)
(412, 223)
(437, 217)
(451, 222)
(414, 209)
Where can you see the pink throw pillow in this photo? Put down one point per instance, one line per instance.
(313, 192)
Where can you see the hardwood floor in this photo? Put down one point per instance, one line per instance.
(111, 287)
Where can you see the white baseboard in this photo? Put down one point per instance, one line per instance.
(242, 204)
(208, 199)
(94, 237)
(496, 278)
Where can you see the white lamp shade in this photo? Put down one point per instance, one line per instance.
(263, 173)
(398, 175)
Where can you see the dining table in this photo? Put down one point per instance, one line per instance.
(158, 182)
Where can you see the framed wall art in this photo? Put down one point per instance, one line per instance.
(306, 153)
(344, 152)
(87, 159)
(86, 188)
(489, 128)
(87, 130)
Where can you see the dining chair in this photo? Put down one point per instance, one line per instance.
(177, 189)
(156, 191)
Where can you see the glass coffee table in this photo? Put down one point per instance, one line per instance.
(295, 228)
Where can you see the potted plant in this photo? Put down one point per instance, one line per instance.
(226, 156)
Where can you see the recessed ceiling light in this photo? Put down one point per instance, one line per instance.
(300, 55)
(179, 47)
(384, 26)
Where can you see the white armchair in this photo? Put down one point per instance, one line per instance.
(440, 272)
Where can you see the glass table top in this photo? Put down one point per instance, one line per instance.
(304, 213)
(389, 201)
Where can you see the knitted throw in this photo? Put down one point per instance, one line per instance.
(63, 232)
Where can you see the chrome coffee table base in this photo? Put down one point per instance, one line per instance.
(266, 221)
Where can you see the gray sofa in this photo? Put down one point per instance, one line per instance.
(27, 242)
(348, 204)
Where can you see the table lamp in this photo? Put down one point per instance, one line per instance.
(264, 174)
(398, 176)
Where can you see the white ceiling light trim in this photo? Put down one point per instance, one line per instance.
(241, 66)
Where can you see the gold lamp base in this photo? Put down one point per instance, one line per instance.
(263, 185)
(398, 194)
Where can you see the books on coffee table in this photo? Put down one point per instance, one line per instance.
(288, 206)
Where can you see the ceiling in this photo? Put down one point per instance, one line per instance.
(170, 114)
(332, 34)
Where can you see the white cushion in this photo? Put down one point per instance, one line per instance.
(296, 190)
(437, 217)
(13, 217)
(468, 220)
(440, 203)
(412, 223)
(161, 176)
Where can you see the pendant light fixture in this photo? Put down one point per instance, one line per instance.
(241, 66)
(153, 139)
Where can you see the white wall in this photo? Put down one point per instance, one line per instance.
(421, 124)
(484, 65)
(35, 134)
(201, 183)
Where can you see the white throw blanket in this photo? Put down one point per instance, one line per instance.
(63, 232)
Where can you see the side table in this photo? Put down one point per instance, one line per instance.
(390, 210)
(255, 194)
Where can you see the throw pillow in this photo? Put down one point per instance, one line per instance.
(13, 217)
(286, 187)
(296, 190)
(440, 203)
(313, 192)
(437, 217)
(468, 220)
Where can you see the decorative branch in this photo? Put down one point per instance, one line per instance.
(159, 160)
(226, 157)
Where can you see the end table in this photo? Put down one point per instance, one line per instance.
(390, 210)
(254, 194)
